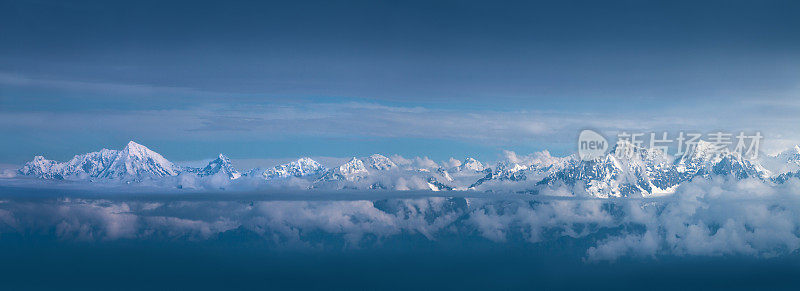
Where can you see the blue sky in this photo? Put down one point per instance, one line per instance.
(265, 80)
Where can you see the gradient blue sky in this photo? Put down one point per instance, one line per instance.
(266, 80)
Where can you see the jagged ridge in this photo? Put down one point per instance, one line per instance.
(643, 173)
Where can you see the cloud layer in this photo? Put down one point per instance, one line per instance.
(704, 218)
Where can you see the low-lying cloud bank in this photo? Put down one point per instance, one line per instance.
(709, 218)
(704, 218)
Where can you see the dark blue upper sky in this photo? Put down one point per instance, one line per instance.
(262, 79)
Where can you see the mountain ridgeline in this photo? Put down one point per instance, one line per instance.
(639, 173)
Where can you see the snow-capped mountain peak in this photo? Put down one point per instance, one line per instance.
(510, 167)
(302, 167)
(706, 151)
(790, 155)
(379, 162)
(135, 149)
(42, 168)
(783, 162)
(137, 161)
(92, 164)
(353, 170)
(134, 162)
(220, 165)
(470, 164)
(795, 149)
(709, 159)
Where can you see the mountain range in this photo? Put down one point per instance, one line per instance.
(637, 173)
